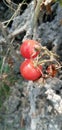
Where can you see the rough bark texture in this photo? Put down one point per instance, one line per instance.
(33, 105)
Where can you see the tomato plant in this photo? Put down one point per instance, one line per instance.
(37, 56)
(29, 49)
(29, 71)
(51, 70)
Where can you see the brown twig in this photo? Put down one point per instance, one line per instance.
(17, 31)
(9, 46)
(14, 33)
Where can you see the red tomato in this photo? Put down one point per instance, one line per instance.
(29, 49)
(51, 70)
(28, 71)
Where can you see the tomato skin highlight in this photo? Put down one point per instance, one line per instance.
(27, 49)
(28, 71)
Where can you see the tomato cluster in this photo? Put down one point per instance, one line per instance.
(30, 69)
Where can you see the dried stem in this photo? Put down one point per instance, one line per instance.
(10, 4)
(4, 32)
(40, 60)
(4, 59)
(49, 53)
(18, 31)
(14, 33)
(9, 45)
(15, 14)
